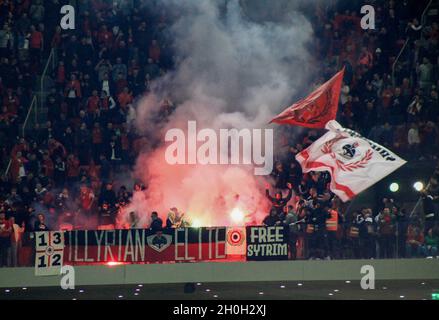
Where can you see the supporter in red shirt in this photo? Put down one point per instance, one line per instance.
(121, 83)
(47, 166)
(11, 101)
(56, 148)
(105, 37)
(93, 102)
(124, 98)
(366, 58)
(86, 199)
(73, 88)
(72, 168)
(6, 115)
(57, 37)
(36, 39)
(96, 136)
(60, 73)
(18, 166)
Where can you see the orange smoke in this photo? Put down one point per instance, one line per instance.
(206, 194)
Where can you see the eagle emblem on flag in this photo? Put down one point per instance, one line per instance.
(347, 152)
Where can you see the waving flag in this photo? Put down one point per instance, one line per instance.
(354, 163)
(317, 109)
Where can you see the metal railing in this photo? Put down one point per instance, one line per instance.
(51, 60)
(406, 43)
(32, 107)
(8, 167)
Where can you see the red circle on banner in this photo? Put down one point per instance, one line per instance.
(235, 238)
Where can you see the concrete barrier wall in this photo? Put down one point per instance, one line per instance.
(401, 269)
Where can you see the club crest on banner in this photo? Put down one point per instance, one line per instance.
(159, 241)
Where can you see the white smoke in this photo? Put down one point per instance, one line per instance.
(231, 72)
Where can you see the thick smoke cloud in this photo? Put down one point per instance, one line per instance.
(236, 67)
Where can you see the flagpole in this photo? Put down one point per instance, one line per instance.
(415, 207)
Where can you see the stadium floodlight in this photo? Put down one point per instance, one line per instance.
(237, 215)
(418, 185)
(394, 187)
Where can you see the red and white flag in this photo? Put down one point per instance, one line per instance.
(354, 162)
(316, 109)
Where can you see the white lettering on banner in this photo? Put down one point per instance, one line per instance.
(86, 259)
(108, 246)
(213, 245)
(177, 244)
(381, 150)
(267, 242)
(76, 248)
(200, 244)
(70, 246)
(133, 245)
(266, 234)
(129, 249)
(120, 247)
(210, 240)
(186, 243)
(140, 245)
(267, 250)
(99, 235)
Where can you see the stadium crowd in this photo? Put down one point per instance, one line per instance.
(70, 163)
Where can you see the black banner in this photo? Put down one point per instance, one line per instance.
(267, 243)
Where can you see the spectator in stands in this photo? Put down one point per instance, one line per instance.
(385, 233)
(367, 234)
(156, 223)
(414, 140)
(431, 244)
(5, 239)
(16, 243)
(278, 202)
(291, 222)
(415, 240)
(40, 224)
(273, 219)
